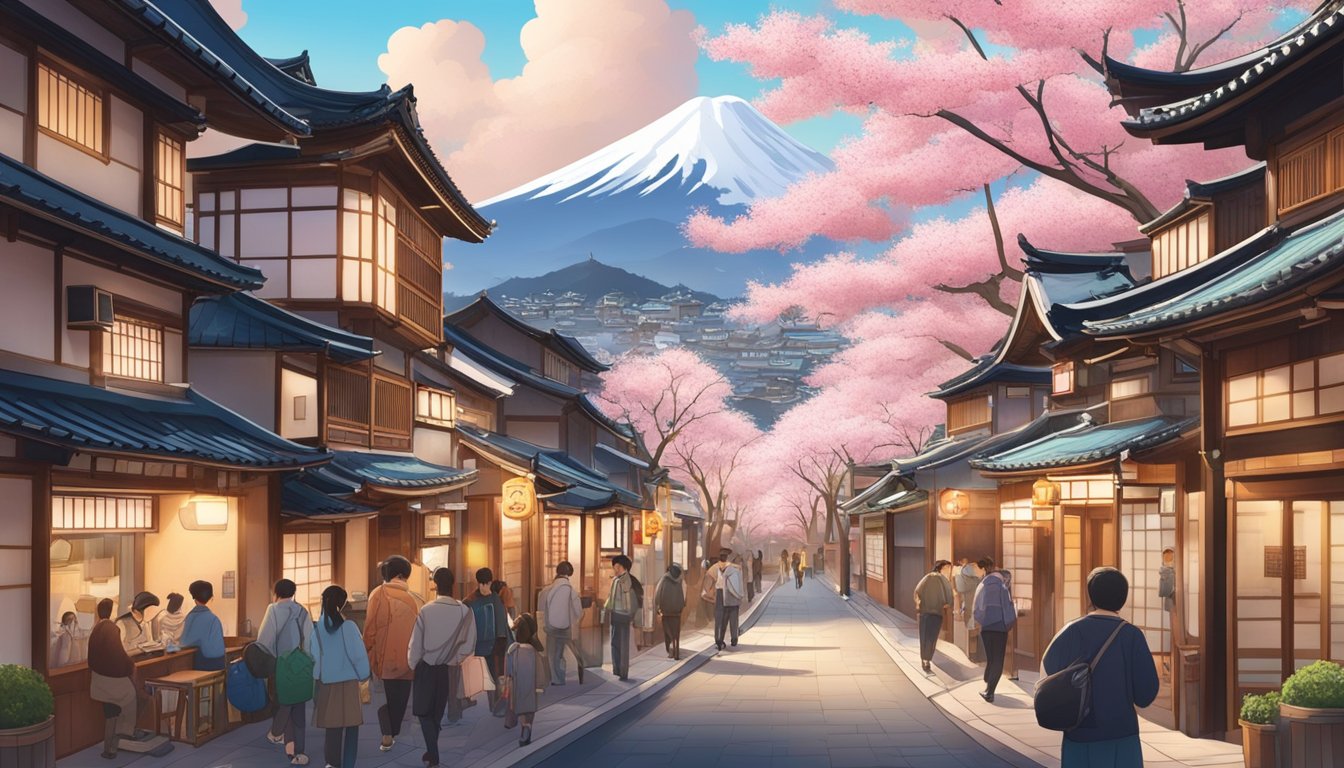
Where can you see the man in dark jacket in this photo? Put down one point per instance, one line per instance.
(670, 600)
(492, 631)
(996, 614)
(112, 678)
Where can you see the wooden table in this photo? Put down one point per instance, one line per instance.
(195, 689)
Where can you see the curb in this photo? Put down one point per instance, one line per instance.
(545, 748)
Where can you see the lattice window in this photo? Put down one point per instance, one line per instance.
(133, 349)
(1134, 387)
(874, 554)
(435, 407)
(557, 369)
(70, 111)
(87, 512)
(557, 542)
(970, 412)
(1062, 381)
(309, 561)
(169, 170)
(1286, 393)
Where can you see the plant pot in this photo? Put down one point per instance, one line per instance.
(1259, 744)
(31, 747)
(1311, 737)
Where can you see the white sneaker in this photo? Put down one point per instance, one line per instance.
(275, 739)
(298, 760)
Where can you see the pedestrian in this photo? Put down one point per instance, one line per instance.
(112, 679)
(134, 626)
(758, 570)
(525, 676)
(995, 614)
(561, 611)
(818, 565)
(802, 563)
(67, 647)
(797, 563)
(964, 581)
(709, 602)
(340, 665)
(442, 637)
(167, 624)
(1123, 678)
(492, 631)
(621, 607)
(670, 600)
(747, 581)
(933, 595)
(714, 585)
(501, 588)
(389, 619)
(732, 591)
(203, 630)
(1166, 590)
(783, 566)
(286, 626)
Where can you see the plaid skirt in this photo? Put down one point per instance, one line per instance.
(337, 705)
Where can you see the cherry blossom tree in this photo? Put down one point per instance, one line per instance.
(709, 455)
(990, 96)
(662, 396)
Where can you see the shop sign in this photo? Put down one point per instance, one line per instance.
(953, 504)
(519, 498)
(653, 524)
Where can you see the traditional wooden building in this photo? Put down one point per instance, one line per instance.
(1261, 321)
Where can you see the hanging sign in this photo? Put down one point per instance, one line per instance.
(520, 498)
(953, 504)
(653, 524)
(1044, 493)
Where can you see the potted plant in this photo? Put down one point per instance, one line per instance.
(1260, 729)
(27, 727)
(1312, 714)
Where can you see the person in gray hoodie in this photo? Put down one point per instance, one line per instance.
(995, 613)
(670, 600)
(286, 626)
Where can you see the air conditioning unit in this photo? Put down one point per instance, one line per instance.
(88, 308)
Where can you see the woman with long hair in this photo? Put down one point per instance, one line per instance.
(525, 676)
(340, 664)
(783, 566)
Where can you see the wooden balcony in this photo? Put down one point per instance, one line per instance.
(367, 408)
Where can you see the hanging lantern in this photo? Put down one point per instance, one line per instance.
(519, 498)
(653, 523)
(1044, 493)
(953, 504)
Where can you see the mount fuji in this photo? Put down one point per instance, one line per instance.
(624, 204)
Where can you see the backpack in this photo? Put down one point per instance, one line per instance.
(294, 677)
(637, 591)
(260, 661)
(245, 691)
(999, 612)
(1064, 699)
(483, 611)
(966, 579)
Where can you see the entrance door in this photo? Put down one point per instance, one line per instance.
(1028, 554)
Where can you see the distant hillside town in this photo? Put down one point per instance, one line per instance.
(766, 365)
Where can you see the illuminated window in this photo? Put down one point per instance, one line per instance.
(133, 349)
(309, 562)
(1062, 378)
(435, 407)
(169, 168)
(874, 554)
(1288, 392)
(70, 111)
(557, 542)
(1123, 388)
(81, 512)
(385, 278)
(611, 532)
(356, 246)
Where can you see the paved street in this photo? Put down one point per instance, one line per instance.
(809, 686)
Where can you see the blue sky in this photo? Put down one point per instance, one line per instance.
(345, 39)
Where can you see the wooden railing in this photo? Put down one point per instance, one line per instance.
(393, 412)
(419, 273)
(368, 408)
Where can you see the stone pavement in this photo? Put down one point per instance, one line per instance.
(808, 686)
(479, 740)
(1010, 720)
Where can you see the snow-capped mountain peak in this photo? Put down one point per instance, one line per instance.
(720, 142)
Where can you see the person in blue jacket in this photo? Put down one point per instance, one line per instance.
(202, 629)
(1125, 677)
(340, 663)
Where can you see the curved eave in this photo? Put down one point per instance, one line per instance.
(401, 490)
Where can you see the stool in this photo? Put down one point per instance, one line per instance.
(196, 691)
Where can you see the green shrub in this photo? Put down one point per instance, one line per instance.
(1260, 708)
(25, 698)
(1319, 685)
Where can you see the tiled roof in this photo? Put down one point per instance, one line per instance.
(30, 190)
(563, 344)
(501, 364)
(987, 371)
(243, 321)
(191, 428)
(392, 473)
(1293, 260)
(578, 487)
(1084, 444)
(299, 498)
(1203, 191)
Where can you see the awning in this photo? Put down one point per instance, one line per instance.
(394, 474)
(191, 428)
(1085, 444)
(299, 498)
(572, 485)
(243, 321)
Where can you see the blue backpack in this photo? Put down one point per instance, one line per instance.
(484, 613)
(246, 693)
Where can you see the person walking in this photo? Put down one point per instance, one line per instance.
(203, 630)
(286, 626)
(758, 570)
(995, 614)
(525, 675)
(802, 563)
(167, 624)
(492, 631)
(340, 664)
(621, 607)
(390, 617)
(442, 637)
(714, 586)
(1123, 678)
(818, 565)
(561, 611)
(747, 581)
(670, 599)
(732, 591)
(933, 595)
(783, 566)
(797, 563)
(112, 678)
(709, 597)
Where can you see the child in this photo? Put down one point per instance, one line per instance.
(525, 676)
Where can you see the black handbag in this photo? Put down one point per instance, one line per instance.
(259, 661)
(1064, 700)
